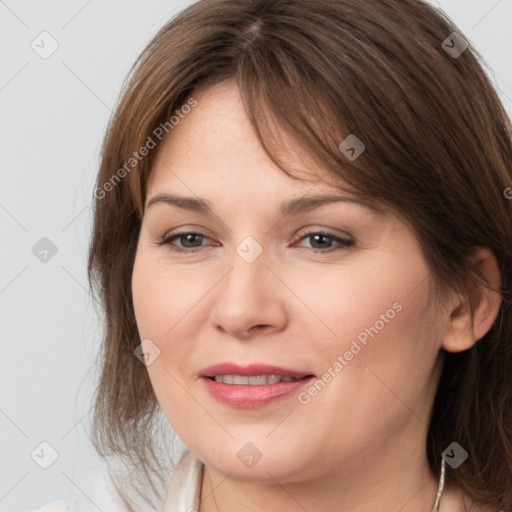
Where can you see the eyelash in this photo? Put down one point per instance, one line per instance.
(168, 239)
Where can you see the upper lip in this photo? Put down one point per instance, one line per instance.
(251, 370)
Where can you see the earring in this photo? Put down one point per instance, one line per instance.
(440, 487)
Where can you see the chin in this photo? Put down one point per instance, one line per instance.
(258, 461)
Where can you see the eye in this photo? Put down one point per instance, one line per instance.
(322, 242)
(191, 241)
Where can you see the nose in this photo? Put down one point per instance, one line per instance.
(249, 300)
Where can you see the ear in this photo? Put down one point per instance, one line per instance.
(473, 312)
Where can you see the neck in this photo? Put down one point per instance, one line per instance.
(402, 481)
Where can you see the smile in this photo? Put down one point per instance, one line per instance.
(255, 385)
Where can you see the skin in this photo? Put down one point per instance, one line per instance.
(359, 444)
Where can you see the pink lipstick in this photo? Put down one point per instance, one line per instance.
(252, 386)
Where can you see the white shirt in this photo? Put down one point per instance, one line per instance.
(183, 493)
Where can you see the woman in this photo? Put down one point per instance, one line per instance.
(302, 241)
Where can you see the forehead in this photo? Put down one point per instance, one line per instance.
(215, 145)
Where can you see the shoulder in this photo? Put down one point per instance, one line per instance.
(54, 506)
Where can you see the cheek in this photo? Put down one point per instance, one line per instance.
(378, 319)
(360, 301)
(388, 359)
(164, 299)
(164, 310)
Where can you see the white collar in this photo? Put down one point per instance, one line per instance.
(183, 493)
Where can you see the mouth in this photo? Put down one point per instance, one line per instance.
(252, 386)
(253, 380)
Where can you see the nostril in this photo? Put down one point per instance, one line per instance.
(259, 328)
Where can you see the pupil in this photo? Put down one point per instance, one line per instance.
(321, 237)
(190, 238)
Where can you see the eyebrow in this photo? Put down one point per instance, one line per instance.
(295, 206)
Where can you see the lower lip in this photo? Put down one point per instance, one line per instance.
(248, 397)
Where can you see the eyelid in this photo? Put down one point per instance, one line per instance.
(343, 235)
(185, 229)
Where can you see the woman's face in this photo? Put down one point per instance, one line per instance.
(333, 293)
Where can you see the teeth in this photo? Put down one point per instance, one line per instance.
(258, 380)
(273, 379)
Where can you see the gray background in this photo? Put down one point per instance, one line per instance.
(53, 114)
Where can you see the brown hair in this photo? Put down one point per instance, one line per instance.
(438, 149)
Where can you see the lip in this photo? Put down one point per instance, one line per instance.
(247, 396)
(251, 370)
